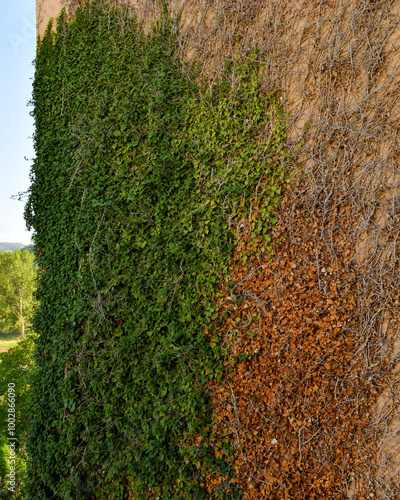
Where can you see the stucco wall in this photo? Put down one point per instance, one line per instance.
(46, 9)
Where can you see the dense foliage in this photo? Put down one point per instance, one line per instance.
(140, 183)
(17, 286)
(16, 367)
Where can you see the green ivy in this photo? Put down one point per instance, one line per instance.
(140, 179)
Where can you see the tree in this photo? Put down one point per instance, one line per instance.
(16, 369)
(17, 284)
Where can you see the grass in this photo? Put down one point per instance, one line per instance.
(9, 339)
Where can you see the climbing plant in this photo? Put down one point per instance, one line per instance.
(142, 177)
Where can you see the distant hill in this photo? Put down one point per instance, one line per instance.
(6, 247)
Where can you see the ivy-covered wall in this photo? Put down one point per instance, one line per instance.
(144, 178)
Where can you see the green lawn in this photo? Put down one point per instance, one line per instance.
(9, 339)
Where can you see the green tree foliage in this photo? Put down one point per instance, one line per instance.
(139, 181)
(16, 367)
(17, 286)
(28, 247)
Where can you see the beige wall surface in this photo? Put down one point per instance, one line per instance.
(45, 10)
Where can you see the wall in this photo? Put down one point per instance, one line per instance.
(46, 9)
(337, 65)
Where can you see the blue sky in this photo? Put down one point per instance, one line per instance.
(17, 51)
